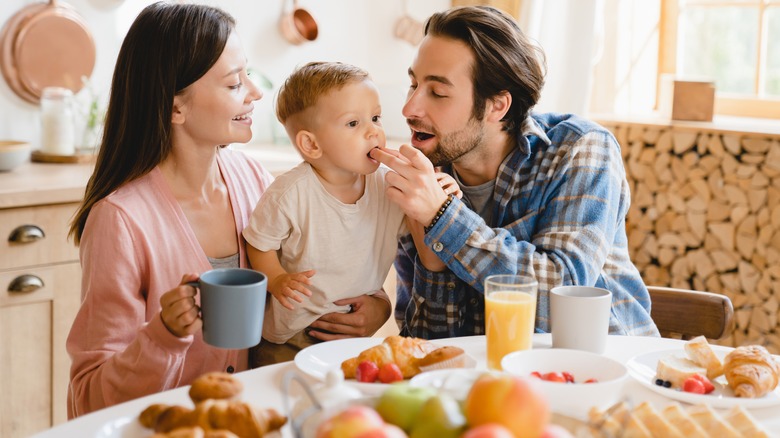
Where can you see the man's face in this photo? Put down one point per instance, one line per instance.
(440, 102)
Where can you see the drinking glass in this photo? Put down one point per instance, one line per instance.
(510, 312)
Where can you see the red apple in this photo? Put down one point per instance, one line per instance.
(355, 421)
(510, 401)
(490, 430)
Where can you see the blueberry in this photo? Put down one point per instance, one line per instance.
(659, 382)
(667, 384)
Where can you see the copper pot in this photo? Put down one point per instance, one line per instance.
(298, 26)
(45, 45)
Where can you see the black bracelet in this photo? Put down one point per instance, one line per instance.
(439, 213)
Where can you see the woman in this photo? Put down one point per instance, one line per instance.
(166, 201)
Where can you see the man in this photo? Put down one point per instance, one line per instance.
(544, 194)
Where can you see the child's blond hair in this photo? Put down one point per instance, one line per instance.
(307, 84)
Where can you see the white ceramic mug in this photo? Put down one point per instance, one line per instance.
(579, 316)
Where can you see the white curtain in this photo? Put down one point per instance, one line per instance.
(571, 34)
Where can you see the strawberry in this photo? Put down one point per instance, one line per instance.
(367, 372)
(708, 386)
(694, 385)
(390, 373)
(536, 374)
(592, 380)
(554, 377)
(568, 376)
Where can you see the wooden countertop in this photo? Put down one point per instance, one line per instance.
(50, 183)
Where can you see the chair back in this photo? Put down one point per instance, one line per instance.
(687, 313)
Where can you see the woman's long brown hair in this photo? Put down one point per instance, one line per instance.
(168, 47)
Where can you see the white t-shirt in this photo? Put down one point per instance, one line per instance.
(351, 246)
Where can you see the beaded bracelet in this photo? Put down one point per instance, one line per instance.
(439, 213)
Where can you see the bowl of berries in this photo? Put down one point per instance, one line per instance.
(572, 380)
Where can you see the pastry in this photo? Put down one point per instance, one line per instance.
(711, 422)
(698, 421)
(195, 432)
(676, 369)
(239, 418)
(402, 351)
(677, 417)
(751, 371)
(215, 385)
(616, 422)
(745, 424)
(699, 351)
(655, 423)
(443, 358)
(149, 416)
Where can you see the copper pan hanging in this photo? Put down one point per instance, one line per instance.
(46, 45)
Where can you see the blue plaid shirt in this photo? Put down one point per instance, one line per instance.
(561, 199)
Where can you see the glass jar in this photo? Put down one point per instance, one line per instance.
(57, 122)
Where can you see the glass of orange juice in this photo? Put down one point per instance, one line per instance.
(510, 312)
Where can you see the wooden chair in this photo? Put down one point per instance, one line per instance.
(689, 313)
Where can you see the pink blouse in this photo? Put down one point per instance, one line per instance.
(136, 245)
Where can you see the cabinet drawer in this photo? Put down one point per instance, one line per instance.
(45, 231)
(43, 275)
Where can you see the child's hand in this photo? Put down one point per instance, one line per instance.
(448, 184)
(288, 287)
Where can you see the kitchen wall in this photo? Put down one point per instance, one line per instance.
(354, 31)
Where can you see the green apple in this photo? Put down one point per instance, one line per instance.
(400, 404)
(439, 417)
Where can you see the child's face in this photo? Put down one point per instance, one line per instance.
(349, 126)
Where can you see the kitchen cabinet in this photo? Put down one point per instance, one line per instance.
(38, 200)
(40, 278)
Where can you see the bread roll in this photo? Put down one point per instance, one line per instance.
(699, 351)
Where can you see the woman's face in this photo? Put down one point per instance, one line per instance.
(217, 108)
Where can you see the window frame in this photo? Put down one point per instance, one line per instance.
(755, 106)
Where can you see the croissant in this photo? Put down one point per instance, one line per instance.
(751, 371)
(240, 418)
(195, 432)
(403, 351)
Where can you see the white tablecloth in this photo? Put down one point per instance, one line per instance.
(263, 389)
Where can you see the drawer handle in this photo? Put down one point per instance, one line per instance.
(26, 234)
(25, 284)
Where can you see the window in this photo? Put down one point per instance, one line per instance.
(734, 43)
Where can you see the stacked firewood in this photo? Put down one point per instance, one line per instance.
(705, 215)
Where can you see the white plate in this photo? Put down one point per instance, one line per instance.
(642, 368)
(125, 427)
(318, 359)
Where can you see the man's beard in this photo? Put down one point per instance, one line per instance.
(454, 145)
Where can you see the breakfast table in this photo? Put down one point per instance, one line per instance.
(263, 388)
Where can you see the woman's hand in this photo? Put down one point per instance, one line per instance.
(369, 313)
(179, 312)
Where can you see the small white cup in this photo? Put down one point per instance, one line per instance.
(579, 316)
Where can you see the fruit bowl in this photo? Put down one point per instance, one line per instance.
(12, 154)
(573, 399)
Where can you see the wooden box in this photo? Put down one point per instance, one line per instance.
(686, 99)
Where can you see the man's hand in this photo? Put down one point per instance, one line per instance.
(369, 313)
(413, 185)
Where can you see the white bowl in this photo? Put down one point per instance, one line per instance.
(12, 154)
(573, 399)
